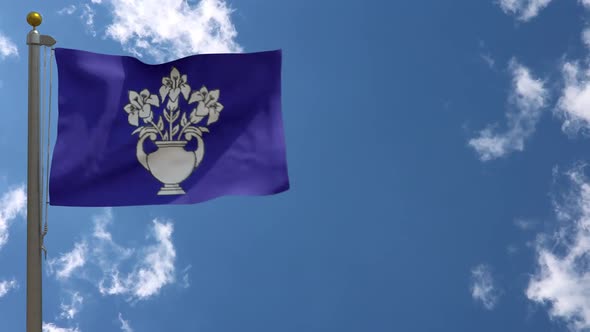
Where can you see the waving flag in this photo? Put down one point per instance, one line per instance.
(181, 132)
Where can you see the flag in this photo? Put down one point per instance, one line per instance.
(180, 132)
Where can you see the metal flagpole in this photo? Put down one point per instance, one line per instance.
(34, 295)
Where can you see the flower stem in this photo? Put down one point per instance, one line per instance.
(182, 130)
(170, 124)
(158, 129)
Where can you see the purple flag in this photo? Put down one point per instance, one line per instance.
(181, 132)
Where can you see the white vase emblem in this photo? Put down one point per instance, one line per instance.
(171, 164)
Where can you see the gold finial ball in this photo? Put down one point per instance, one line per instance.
(34, 19)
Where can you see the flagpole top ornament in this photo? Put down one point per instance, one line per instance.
(34, 19)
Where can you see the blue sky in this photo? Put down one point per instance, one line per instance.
(437, 154)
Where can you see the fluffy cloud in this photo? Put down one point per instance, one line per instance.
(7, 47)
(12, 204)
(87, 17)
(574, 102)
(69, 10)
(523, 9)
(50, 327)
(562, 280)
(525, 224)
(482, 286)
(69, 311)
(87, 14)
(67, 263)
(125, 327)
(6, 286)
(155, 270)
(528, 97)
(488, 60)
(106, 252)
(166, 29)
(586, 37)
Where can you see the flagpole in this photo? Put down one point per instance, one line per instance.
(34, 291)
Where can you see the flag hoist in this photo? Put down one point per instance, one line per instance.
(34, 177)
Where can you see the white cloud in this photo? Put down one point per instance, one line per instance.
(6, 286)
(482, 286)
(153, 269)
(87, 14)
(100, 224)
(50, 327)
(185, 277)
(125, 327)
(525, 224)
(528, 97)
(574, 103)
(524, 9)
(563, 277)
(166, 29)
(7, 47)
(69, 262)
(107, 253)
(157, 269)
(488, 60)
(153, 272)
(87, 17)
(12, 204)
(69, 311)
(116, 285)
(69, 10)
(586, 37)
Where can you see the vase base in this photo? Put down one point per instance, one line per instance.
(171, 189)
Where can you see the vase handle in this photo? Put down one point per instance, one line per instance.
(200, 152)
(141, 156)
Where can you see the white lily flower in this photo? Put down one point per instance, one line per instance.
(174, 85)
(140, 106)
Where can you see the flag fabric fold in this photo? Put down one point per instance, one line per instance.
(180, 132)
